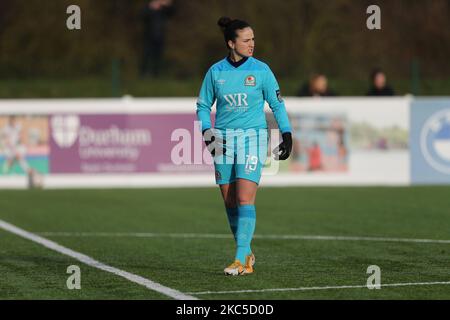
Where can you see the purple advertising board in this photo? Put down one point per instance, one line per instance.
(124, 143)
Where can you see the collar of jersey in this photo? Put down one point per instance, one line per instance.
(237, 64)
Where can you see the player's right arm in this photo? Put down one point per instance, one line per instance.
(205, 101)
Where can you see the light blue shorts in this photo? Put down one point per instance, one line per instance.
(245, 156)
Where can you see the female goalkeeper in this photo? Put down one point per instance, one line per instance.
(239, 140)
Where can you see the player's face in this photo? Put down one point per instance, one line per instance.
(244, 44)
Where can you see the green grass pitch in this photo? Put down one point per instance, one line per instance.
(195, 264)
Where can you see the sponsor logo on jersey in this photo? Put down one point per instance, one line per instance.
(221, 81)
(236, 102)
(250, 81)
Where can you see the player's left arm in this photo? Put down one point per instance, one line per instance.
(273, 97)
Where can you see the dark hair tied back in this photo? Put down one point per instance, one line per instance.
(224, 22)
(229, 27)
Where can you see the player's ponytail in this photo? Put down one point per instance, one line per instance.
(229, 27)
(223, 23)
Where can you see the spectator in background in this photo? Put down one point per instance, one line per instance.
(317, 87)
(379, 86)
(154, 16)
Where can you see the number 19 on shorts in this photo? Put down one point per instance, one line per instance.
(251, 163)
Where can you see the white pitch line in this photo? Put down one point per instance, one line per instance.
(321, 288)
(135, 235)
(228, 236)
(96, 264)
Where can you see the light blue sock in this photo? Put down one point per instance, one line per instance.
(232, 214)
(245, 229)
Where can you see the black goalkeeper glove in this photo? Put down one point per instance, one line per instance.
(283, 151)
(212, 142)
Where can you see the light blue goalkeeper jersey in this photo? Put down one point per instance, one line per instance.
(240, 93)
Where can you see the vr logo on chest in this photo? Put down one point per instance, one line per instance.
(236, 100)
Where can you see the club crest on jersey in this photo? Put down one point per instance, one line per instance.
(250, 81)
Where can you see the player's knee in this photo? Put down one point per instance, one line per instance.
(244, 200)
